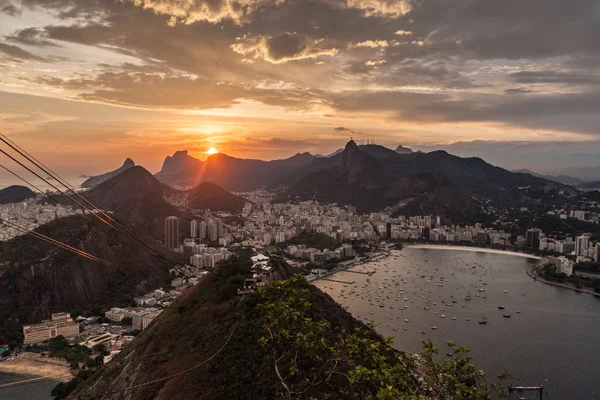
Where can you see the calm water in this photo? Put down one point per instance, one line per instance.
(39, 390)
(554, 341)
(9, 180)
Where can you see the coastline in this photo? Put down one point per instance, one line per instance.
(532, 273)
(37, 369)
(468, 248)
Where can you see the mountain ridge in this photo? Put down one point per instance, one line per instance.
(98, 179)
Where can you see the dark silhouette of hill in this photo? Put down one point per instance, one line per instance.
(15, 194)
(96, 180)
(37, 279)
(373, 177)
(403, 150)
(208, 195)
(567, 180)
(179, 163)
(137, 197)
(236, 174)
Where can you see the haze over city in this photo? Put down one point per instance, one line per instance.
(513, 82)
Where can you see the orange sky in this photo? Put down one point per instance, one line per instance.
(86, 84)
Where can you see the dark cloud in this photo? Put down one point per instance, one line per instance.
(517, 91)
(9, 7)
(18, 53)
(533, 77)
(31, 37)
(449, 69)
(346, 130)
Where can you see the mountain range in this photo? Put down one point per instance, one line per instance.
(373, 177)
(567, 180)
(96, 180)
(235, 174)
(140, 199)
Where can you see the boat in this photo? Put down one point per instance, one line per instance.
(500, 307)
(434, 327)
(505, 291)
(483, 321)
(467, 319)
(454, 318)
(506, 315)
(423, 332)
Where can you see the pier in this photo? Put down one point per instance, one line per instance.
(361, 272)
(337, 281)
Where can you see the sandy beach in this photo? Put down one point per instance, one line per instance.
(475, 249)
(36, 368)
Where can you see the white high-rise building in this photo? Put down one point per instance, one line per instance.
(202, 230)
(172, 232)
(194, 229)
(582, 243)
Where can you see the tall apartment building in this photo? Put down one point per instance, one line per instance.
(61, 324)
(172, 232)
(202, 230)
(212, 230)
(532, 238)
(582, 243)
(194, 229)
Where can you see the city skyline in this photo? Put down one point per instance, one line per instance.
(266, 78)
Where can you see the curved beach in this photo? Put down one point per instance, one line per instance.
(474, 249)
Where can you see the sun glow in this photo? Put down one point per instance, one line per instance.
(212, 150)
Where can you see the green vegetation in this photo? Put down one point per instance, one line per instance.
(313, 358)
(317, 240)
(289, 340)
(549, 272)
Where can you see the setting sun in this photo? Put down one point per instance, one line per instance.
(212, 150)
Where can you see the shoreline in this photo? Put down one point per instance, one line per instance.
(473, 249)
(531, 272)
(36, 369)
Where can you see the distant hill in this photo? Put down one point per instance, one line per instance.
(15, 194)
(567, 180)
(373, 177)
(37, 279)
(589, 185)
(137, 197)
(96, 180)
(235, 174)
(582, 173)
(403, 150)
(179, 163)
(208, 195)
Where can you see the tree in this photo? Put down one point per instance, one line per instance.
(310, 357)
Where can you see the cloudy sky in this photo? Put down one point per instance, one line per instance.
(86, 83)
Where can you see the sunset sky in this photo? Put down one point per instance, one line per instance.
(86, 83)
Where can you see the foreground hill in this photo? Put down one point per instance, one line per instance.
(289, 341)
(37, 279)
(236, 174)
(15, 194)
(96, 180)
(372, 177)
